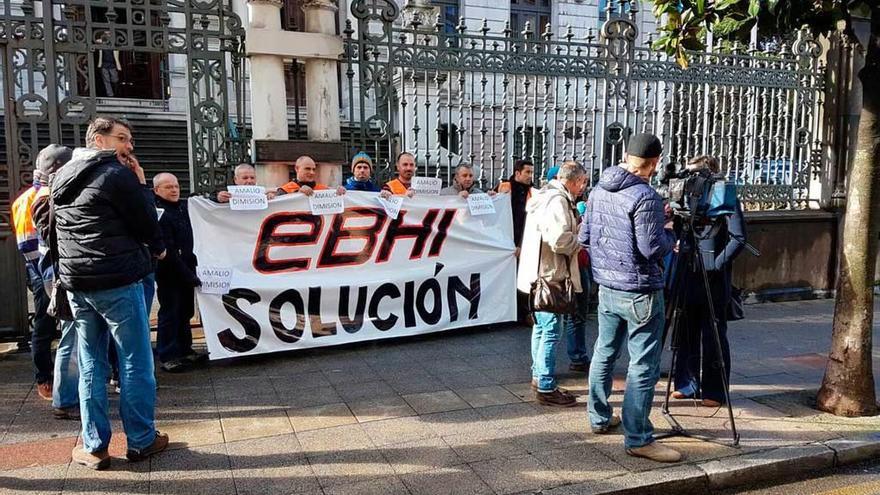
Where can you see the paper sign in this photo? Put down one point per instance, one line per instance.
(215, 280)
(481, 204)
(326, 203)
(392, 205)
(247, 198)
(159, 212)
(427, 185)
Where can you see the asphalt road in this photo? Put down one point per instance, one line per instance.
(858, 479)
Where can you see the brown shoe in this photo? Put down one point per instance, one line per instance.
(93, 460)
(679, 395)
(66, 412)
(44, 390)
(579, 367)
(710, 403)
(158, 445)
(655, 452)
(613, 423)
(556, 398)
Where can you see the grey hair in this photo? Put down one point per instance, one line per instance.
(570, 170)
(160, 177)
(463, 165)
(241, 167)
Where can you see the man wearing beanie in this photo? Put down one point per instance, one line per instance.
(362, 171)
(627, 234)
(48, 161)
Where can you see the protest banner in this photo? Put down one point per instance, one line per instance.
(481, 204)
(326, 202)
(244, 198)
(302, 280)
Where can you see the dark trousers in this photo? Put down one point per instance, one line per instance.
(44, 327)
(699, 352)
(176, 309)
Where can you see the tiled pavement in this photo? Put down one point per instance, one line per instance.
(449, 413)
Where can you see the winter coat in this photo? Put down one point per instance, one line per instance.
(368, 185)
(519, 196)
(549, 244)
(623, 229)
(456, 189)
(179, 264)
(103, 223)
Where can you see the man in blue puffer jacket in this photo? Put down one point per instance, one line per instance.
(627, 233)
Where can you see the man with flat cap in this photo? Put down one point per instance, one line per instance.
(627, 234)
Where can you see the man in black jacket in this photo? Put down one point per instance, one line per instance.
(519, 185)
(175, 278)
(103, 226)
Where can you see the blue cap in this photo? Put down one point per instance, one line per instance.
(552, 172)
(582, 207)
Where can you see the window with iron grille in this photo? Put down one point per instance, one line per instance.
(603, 12)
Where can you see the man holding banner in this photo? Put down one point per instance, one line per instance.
(402, 185)
(306, 179)
(244, 175)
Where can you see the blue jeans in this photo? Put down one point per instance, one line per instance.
(43, 329)
(637, 320)
(576, 324)
(65, 392)
(149, 283)
(545, 338)
(118, 314)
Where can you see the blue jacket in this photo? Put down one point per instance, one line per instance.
(623, 230)
(361, 185)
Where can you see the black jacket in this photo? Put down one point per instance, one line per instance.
(718, 252)
(103, 223)
(179, 264)
(519, 196)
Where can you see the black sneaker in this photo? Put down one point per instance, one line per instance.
(579, 367)
(158, 445)
(176, 366)
(197, 358)
(66, 412)
(613, 423)
(556, 398)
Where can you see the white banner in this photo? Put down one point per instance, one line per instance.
(300, 280)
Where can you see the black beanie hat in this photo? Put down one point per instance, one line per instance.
(644, 145)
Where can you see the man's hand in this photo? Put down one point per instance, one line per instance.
(224, 196)
(384, 194)
(491, 193)
(516, 253)
(308, 191)
(340, 191)
(464, 194)
(134, 166)
(162, 254)
(270, 194)
(410, 193)
(669, 225)
(676, 247)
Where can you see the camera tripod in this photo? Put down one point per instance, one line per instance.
(689, 260)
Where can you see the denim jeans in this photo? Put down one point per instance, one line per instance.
(637, 320)
(149, 283)
(119, 315)
(545, 338)
(65, 389)
(43, 329)
(576, 324)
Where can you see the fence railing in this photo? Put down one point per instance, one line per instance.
(485, 98)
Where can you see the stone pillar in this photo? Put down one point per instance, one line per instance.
(268, 94)
(322, 88)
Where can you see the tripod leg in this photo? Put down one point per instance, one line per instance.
(718, 348)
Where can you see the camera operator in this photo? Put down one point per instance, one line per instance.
(718, 249)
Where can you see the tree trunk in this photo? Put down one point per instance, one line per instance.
(848, 385)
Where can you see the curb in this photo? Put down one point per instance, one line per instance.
(728, 472)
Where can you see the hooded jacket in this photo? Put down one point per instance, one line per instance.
(549, 244)
(623, 228)
(103, 223)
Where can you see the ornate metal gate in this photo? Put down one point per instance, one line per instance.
(474, 96)
(49, 76)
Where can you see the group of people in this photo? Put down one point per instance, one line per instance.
(98, 240)
(623, 234)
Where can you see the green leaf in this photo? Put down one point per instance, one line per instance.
(726, 26)
(700, 6)
(725, 4)
(772, 5)
(681, 58)
(754, 8)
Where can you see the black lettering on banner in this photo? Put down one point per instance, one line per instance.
(442, 229)
(288, 335)
(268, 238)
(339, 232)
(409, 312)
(385, 290)
(456, 287)
(398, 230)
(319, 328)
(433, 316)
(352, 325)
(227, 338)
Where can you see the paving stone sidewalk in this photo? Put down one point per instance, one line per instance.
(447, 413)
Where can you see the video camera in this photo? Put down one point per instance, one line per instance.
(699, 194)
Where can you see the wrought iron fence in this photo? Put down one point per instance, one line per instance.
(489, 98)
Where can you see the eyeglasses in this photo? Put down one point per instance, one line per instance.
(123, 138)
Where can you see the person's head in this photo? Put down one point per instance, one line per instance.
(464, 176)
(107, 133)
(406, 166)
(166, 187)
(306, 169)
(362, 166)
(523, 171)
(643, 155)
(704, 162)
(573, 177)
(245, 175)
(49, 160)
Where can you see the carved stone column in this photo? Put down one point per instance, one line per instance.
(268, 94)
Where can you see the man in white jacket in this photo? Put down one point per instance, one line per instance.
(550, 249)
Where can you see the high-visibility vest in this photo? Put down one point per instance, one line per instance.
(396, 187)
(23, 225)
(293, 186)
